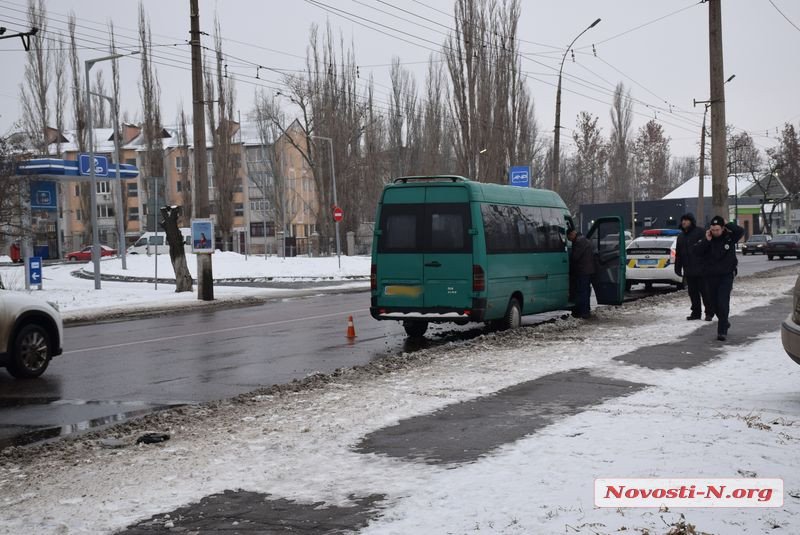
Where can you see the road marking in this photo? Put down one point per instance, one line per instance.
(218, 331)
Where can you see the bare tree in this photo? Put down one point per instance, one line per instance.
(682, 169)
(491, 106)
(619, 169)
(101, 118)
(79, 120)
(220, 91)
(12, 195)
(60, 80)
(270, 181)
(404, 121)
(150, 93)
(651, 159)
(33, 91)
(186, 175)
(436, 143)
(590, 158)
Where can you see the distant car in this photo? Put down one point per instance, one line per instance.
(790, 329)
(612, 239)
(651, 260)
(782, 246)
(31, 332)
(85, 254)
(156, 243)
(756, 244)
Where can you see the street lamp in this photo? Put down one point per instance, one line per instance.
(557, 132)
(88, 64)
(335, 202)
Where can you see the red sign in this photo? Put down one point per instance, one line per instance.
(338, 214)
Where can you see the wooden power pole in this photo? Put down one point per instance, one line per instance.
(719, 171)
(205, 278)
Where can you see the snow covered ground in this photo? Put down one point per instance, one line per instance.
(77, 299)
(298, 445)
(5, 259)
(233, 266)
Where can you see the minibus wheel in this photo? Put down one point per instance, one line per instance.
(415, 329)
(513, 317)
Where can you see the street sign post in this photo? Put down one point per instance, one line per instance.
(35, 271)
(338, 214)
(100, 165)
(520, 176)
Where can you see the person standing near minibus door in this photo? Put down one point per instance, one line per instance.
(581, 269)
(718, 250)
(689, 265)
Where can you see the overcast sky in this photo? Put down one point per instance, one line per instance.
(665, 63)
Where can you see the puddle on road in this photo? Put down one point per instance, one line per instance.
(16, 433)
(463, 432)
(253, 512)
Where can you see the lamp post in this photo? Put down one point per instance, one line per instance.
(557, 131)
(335, 202)
(118, 196)
(88, 64)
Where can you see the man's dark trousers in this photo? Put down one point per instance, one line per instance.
(583, 292)
(719, 294)
(698, 295)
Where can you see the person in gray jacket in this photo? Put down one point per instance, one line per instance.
(581, 269)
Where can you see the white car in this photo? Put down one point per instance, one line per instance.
(651, 260)
(147, 242)
(31, 333)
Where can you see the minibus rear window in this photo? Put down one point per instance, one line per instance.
(425, 228)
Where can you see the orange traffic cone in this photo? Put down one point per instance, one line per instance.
(351, 328)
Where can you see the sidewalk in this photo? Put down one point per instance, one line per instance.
(504, 434)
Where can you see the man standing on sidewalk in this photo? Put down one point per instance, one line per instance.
(718, 250)
(690, 266)
(581, 269)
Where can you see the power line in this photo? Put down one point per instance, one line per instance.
(784, 16)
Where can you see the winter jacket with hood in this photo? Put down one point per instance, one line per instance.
(687, 260)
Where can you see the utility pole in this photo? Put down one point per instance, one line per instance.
(701, 194)
(719, 175)
(205, 277)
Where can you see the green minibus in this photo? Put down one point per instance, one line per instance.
(448, 249)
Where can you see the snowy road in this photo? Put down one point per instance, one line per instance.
(518, 452)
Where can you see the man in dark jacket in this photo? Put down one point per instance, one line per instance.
(690, 266)
(581, 268)
(718, 250)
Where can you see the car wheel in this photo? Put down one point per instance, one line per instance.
(680, 285)
(513, 317)
(71, 259)
(648, 286)
(31, 353)
(782, 257)
(769, 257)
(628, 286)
(415, 329)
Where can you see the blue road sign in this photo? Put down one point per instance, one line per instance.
(520, 175)
(43, 195)
(35, 269)
(100, 165)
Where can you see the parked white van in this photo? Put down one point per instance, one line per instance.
(146, 244)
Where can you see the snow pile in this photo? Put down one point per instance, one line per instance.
(5, 259)
(298, 445)
(233, 266)
(77, 299)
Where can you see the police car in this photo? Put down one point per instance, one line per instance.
(651, 259)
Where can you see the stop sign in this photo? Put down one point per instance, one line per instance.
(338, 214)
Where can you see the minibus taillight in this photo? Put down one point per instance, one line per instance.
(373, 277)
(478, 279)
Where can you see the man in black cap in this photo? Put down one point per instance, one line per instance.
(718, 250)
(690, 266)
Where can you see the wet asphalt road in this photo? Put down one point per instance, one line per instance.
(116, 370)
